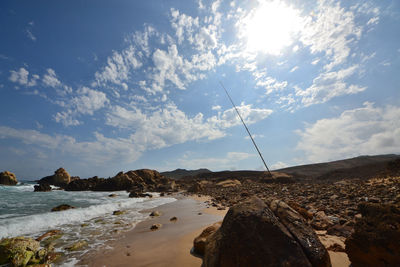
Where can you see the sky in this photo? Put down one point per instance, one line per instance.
(101, 86)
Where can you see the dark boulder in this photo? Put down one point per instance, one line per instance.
(136, 194)
(42, 188)
(8, 178)
(84, 184)
(62, 207)
(302, 233)
(252, 235)
(376, 237)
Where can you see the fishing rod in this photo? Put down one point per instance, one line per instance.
(247, 129)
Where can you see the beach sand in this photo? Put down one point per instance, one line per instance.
(168, 246)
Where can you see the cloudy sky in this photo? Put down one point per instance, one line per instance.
(103, 86)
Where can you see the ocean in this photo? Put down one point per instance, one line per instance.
(27, 213)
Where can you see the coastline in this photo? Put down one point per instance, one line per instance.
(168, 246)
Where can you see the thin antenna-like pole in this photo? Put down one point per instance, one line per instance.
(247, 129)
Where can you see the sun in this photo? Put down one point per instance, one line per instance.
(270, 27)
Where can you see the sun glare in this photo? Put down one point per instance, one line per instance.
(271, 27)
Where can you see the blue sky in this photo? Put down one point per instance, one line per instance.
(103, 86)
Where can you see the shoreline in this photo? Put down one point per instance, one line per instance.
(168, 246)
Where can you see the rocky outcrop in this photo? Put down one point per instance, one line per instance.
(84, 184)
(137, 181)
(23, 251)
(252, 235)
(62, 207)
(60, 178)
(376, 237)
(42, 188)
(8, 178)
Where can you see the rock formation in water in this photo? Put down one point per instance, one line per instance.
(8, 178)
(60, 178)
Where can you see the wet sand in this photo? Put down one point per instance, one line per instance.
(168, 246)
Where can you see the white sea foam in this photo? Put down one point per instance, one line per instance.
(31, 224)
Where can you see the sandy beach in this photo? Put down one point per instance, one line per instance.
(168, 246)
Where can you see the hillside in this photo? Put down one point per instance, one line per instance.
(359, 167)
(363, 167)
(181, 173)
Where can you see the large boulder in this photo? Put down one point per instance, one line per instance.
(252, 235)
(199, 243)
(119, 182)
(302, 232)
(42, 188)
(84, 184)
(376, 237)
(8, 178)
(60, 178)
(23, 251)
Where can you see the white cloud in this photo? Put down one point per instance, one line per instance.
(331, 30)
(86, 102)
(50, 79)
(329, 85)
(164, 127)
(294, 68)
(278, 165)
(269, 83)
(100, 151)
(167, 64)
(118, 67)
(66, 118)
(361, 131)
(22, 77)
(229, 117)
(89, 100)
(217, 107)
(30, 35)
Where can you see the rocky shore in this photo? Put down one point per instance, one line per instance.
(272, 221)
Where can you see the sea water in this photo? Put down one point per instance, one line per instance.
(27, 213)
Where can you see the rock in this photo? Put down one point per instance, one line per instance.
(336, 248)
(376, 237)
(84, 184)
(118, 212)
(229, 183)
(8, 178)
(77, 245)
(199, 243)
(112, 195)
(302, 211)
(135, 194)
(48, 234)
(321, 221)
(42, 188)
(19, 251)
(155, 226)
(60, 178)
(62, 207)
(173, 219)
(251, 235)
(302, 233)
(195, 188)
(155, 213)
(340, 230)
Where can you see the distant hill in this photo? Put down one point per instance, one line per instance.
(364, 167)
(181, 173)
